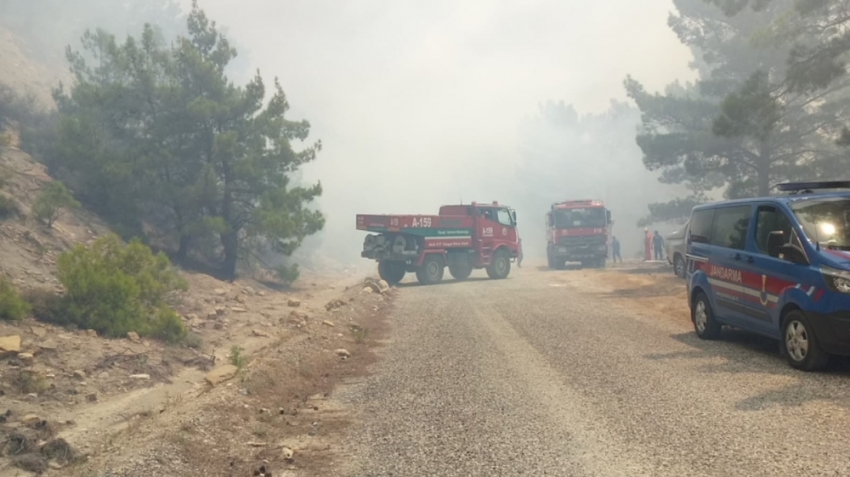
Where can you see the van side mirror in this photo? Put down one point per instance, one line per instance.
(608, 215)
(775, 241)
(777, 246)
(513, 216)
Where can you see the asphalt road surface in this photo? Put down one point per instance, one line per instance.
(529, 376)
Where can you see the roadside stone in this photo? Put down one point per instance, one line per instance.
(237, 309)
(220, 310)
(294, 302)
(79, 374)
(240, 299)
(47, 346)
(140, 377)
(39, 331)
(218, 326)
(221, 374)
(367, 290)
(343, 353)
(334, 304)
(212, 315)
(261, 293)
(26, 358)
(287, 453)
(192, 317)
(91, 397)
(133, 336)
(103, 375)
(261, 333)
(377, 286)
(220, 291)
(30, 419)
(10, 345)
(328, 323)
(92, 333)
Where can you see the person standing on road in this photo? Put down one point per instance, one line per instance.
(519, 254)
(615, 250)
(647, 244)
(658, 243)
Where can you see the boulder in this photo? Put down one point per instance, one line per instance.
(343, 353)
(294, 302)
(10, 345)
(39, 331)
(221, 374)
(133, 336)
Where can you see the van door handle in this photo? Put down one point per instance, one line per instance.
(750, 259)
(737, 256)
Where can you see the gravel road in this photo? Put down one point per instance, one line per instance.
(528, 376)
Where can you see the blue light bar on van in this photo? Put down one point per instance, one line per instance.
(815, 185)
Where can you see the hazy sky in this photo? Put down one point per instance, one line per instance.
(415, 99)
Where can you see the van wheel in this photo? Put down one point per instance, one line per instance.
(679, 266)
(500, 267)
(706, 327)
(800, 345)
(431, 270)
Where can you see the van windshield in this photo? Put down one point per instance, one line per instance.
(580, 218)
(825, 221)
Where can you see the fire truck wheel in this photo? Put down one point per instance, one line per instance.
(500, 267)
(460, 271)
(431, 270)
(391, 272)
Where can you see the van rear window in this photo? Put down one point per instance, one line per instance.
(701, 225)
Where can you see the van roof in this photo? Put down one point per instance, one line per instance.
(786, 199)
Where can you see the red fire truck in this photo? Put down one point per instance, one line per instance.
(577, 231)
(461, 237)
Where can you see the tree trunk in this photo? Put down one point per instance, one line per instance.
(230, 242)
(183, 251)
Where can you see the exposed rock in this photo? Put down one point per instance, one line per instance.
(261, 333)
(377, 286)
(287, 453)
(367, 290)
(343, 353)
(261, 293)
(212, 315)
(39, 331)
(334, 304)
(30, 419)
(248, 291)
(26, 358)
(140, 377)
(240, 298)
(220, 291)
(191, 317)
(237, 309)
(328, 323)
(79, 374)
(133, 336)
(220, 310)
(10, 345)
(103, 375)
(294, 302)
(47, 346)
(92, 333)
(221, 374)
(92, 397)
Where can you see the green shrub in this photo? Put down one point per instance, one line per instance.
(115, 288)
(53, 199)
(8, 207)
(288, 274)
(12, 306)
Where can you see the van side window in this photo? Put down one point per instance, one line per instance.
(770, 219)
(730, 227)
(700, 229)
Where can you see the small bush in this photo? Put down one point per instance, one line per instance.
(46, 306)
(237, 358)
(115, 288)
(289, 274)
(8, 207)
(359, 333)
(27, 381)
(53, 200)
(12, 306)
